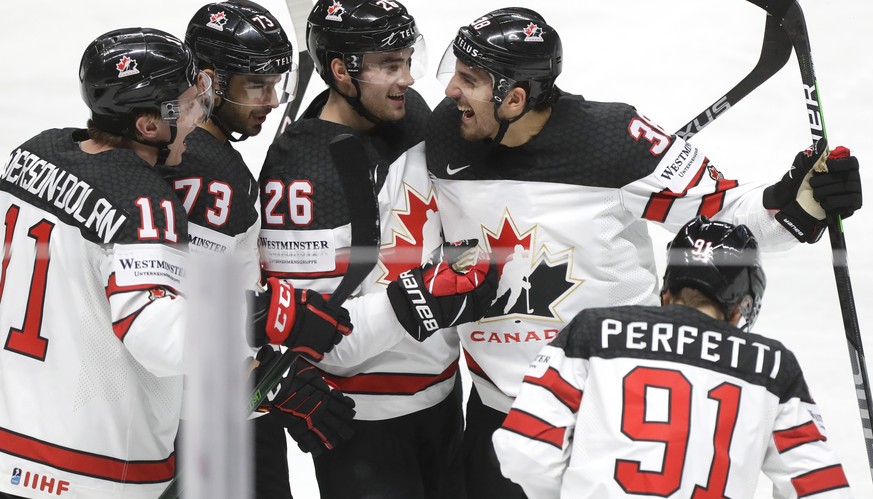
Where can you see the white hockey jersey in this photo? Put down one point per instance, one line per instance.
(565, 218)
(665, 402)
(90, 321)
(305, 238)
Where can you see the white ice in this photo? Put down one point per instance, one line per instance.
(668, 58)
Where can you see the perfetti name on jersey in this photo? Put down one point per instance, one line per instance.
(64, 191)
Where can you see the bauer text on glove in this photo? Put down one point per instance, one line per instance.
(444, 292)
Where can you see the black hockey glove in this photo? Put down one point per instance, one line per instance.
(453, 287)
(316, 416)
(839, 189)
(799, 212)
(300, 319)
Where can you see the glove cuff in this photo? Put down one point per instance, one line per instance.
(801, 224)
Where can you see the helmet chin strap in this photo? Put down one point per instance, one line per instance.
(226, 131)
(504, 124)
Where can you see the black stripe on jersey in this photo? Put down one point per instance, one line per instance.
(656, 333)
(582, 143)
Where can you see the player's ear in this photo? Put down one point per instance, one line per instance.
(514, 103)
(666, 297)
(734, 316)
(148, 126)
(216, 87)
(341, 75)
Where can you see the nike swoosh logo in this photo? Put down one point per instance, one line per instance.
(452, 171)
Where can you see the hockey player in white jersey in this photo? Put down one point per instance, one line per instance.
(404, 380)
(516, 161)
(672, 401)
(94, 262)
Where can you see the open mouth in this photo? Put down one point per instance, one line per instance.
(466, 114)
(397, 98)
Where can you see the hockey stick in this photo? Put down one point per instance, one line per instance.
(775, 52)
(795, 26)
(299, 10)
(353, 166)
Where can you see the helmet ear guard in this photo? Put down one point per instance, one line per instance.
(721, 261)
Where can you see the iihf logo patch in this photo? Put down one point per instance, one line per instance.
(335, 12)
(126, 67)
(16, 476)
(533, 33)
(217, 21)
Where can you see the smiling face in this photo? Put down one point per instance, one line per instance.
(471, 89)
(384, 79)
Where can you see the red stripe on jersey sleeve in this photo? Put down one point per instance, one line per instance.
(713, 203)
(795, 437)
(560, 388)
(390, 383)
(532, 427)
(660, 203)
(475, 368)
(820, 480)
(86, 463)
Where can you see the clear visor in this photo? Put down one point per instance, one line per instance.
(473, 82)
(193, 107)
(262, 89)
(387, 68)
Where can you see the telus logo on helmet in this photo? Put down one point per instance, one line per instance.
(126, 67)
(464, 45)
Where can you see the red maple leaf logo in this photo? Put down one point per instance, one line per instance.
(123, 63)
(531, 29)
(334, 8)
(503, 243)
(406, 251)
(217, 17)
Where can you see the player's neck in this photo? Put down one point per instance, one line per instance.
(147, 153)
(214, 130)
(526, 128)
(338, 110)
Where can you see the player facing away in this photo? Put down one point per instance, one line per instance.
(405, 385)
(94, 262)
(242, 46)
(672, 401)
(516, 161)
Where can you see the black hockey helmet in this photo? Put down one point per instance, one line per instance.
(352, 28)
(720, 260)
(514, 45)
(242, 37)
(126, 71)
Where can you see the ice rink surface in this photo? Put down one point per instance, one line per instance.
(668, 58)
